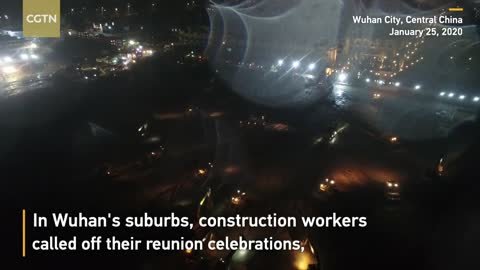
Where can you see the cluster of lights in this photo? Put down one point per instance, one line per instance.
(392, 184)
(408, 60)
(22, 57)
(25, 56)
(6, 65)
(296, 64)
(396, 84)
(460, 97)
(134, 51)
(327, 184)
(401, 61)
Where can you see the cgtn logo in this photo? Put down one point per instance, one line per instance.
(41, 18)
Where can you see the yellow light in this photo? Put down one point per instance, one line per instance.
(188, 251)
(236, 200)
(202, 172)
(455, 9)
(303, 260)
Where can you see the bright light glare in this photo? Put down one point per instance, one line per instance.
(397, 84)
(451, 95)
(417, 87)
(461, 97)
(476, 99)
(131, 42)
(280, 62)
(442, 94)
(33, 46)
(367, 80)
(295, 64)
(7, 59)
(342, 77)
(311, 66)
(24, 56)
(9, 70)
(34, 56)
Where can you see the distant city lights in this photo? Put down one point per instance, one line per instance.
(367, 80)
(476, 99)
(417, 87)
(397, 84)
(442, 94)
(280, 62)
(462, 97)
(451, 95)
(296, 64)
(311, 66)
